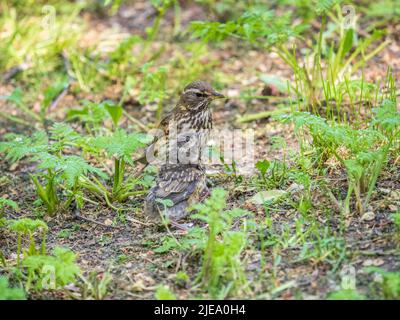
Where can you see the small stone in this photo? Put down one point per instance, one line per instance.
(368, 216)
(395, 195)
(384, 190)
(108, 222)
(373, 262)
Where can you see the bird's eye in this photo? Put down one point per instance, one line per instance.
(199, 94)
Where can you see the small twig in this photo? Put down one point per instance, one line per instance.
(138, 221)
(63, 93)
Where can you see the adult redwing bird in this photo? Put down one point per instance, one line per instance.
(181, 178)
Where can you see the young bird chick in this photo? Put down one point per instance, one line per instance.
(181, 178)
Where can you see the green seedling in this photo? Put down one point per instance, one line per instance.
(27, 227)
(51, 271)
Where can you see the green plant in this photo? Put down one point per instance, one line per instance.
(51, 272)
(31, 51)
(28, 227)
(314, 87)
(56, 169)
(193, 243)
(390, 284)
(164, 293)
(222, 271)
(345, 294)
(263, 166)
(120, 146)
(7, 293)
(93, 115)
(255, 25)
(363, 152)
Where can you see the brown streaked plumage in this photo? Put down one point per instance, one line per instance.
(182, 179)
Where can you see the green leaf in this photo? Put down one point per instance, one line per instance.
(72, 167)
(348, 42)
(41, 191)
(18, 146)
(26, 225)
(114, 110)
(122, 145)
(263, 166)
(61, 264)
(322, 7)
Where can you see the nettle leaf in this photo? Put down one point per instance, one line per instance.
(62, 131)
(122, 145)
(46, 161)
(257, 26)
(69, 168)
(18, 146)
(324, 6)
(72, 167)
(26, 225)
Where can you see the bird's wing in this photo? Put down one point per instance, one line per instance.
(177, 183)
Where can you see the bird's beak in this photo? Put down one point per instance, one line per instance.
(216, 95)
